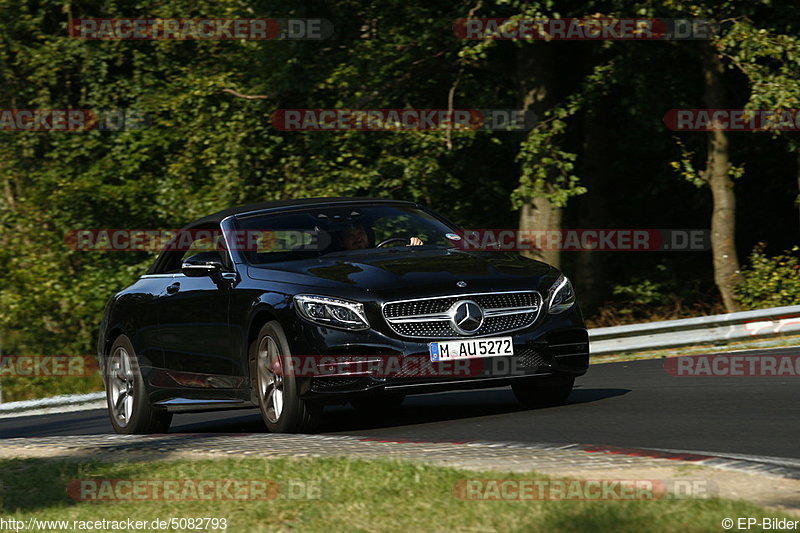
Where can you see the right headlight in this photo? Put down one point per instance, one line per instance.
(332, 312)
(561, 296)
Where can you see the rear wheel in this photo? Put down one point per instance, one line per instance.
(543, 392)
(129, 408)
(278, 391)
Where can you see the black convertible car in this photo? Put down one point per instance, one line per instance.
(334, 300)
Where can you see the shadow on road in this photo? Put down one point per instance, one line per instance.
(417, 410)
(423, 409)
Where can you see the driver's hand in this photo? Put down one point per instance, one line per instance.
(415, 241)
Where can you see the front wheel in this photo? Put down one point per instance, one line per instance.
(543, 392)
(129, 408)
(278, 391)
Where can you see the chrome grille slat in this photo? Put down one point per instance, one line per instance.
(421, 318)
(510, 311)
(427, 317)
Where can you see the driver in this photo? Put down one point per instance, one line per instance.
(355, 238)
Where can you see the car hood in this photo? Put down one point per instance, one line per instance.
(405, 272)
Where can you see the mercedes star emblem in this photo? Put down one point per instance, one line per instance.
(466, 317)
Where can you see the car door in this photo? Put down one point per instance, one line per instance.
(193, 326)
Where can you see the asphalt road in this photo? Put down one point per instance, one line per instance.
(633, 404)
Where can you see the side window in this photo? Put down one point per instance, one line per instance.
(205, 249)
(286, 237)
(205, 244)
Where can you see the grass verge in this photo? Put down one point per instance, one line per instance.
(26, 388)
(348, 495)
(783, 342)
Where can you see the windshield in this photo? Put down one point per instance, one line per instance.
(322, 231)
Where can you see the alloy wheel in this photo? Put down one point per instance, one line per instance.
(121, 381)
(270, 377)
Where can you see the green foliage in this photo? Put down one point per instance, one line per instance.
(644, 292)
(685, 167)
(206, 149)
(548, 170)
(28, 388)
(769, 59)
(770, 281)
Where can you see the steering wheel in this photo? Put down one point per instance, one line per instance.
(392, 239)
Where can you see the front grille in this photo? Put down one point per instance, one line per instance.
(428, 318)
(491, 300)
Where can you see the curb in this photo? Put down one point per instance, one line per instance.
(55, 404)
(471, 455)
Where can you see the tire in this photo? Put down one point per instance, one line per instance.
(378, 404)
(278, 396)
(543, 392)
(129, 407)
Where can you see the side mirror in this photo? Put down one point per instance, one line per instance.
(198, 269)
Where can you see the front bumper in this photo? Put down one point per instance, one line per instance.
(374, 362)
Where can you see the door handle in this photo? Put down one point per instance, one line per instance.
(175, 287)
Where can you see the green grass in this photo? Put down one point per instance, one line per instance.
(27, 388)
(355, 495)
(765, 344)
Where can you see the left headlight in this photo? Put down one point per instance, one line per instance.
(331, 311)
(561, 296)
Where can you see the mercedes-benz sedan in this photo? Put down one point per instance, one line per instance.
(289, 306)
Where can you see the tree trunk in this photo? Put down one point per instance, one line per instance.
(717, 173)
(590, 209)
(536, 83)
(540, 214)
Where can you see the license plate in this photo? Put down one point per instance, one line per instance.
(471, 348)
